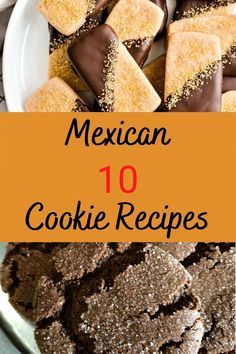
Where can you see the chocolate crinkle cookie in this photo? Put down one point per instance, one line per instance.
(212, 267)
(113, 298)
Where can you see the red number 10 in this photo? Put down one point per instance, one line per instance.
(123, 172)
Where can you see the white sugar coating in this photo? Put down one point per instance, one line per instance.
(54, 96)
(66, 15)
(179, 250)
(135, 19)
(120, 320)
(48, 298)
(132, 90)
(191, 340)
(223, 27)
(188, 54)
(77, 259)
(53, 339)
(229, 102)
(106, 98)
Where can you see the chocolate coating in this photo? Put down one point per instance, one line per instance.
(188, 5)
(229, 83)
(206, 99)
(80, 106)
(87, 54)
(100, 5)
(139, 53)
(55, 36)
(230, 67)
(162, 4)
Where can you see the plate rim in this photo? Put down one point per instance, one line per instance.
(6, 51)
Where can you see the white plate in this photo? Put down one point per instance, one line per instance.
(25, 56)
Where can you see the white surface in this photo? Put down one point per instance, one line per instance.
(25, 57)
(20, 328)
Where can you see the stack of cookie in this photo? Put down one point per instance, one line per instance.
(101, 46)
(125, 297)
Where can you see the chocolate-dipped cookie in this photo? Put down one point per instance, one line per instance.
(224, 27)
(103, 62)
(191, 8)
(55, 96)
(58, 61)
(67, 16)
(193, 78)
(136, 23)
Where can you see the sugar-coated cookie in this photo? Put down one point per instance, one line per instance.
(55, 96)
(193, 78)
(67, 16)
(223, 27)
(136, 23)
(229, 101)
(111, 73)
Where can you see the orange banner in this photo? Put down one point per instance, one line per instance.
(117, 177)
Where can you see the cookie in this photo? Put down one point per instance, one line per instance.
(20, 272)
(136, 23)
(155, 73)
(67, 16)
(213, 271)
(139, 312)
(222, 26)
(54, 339)
(180, 250)
(78, 259)
(52, 290)
(191, 8)
(229, 83)
(125, 297)
(161, 3)
(58, 61)
(229, 102)
(55, 96)
(103, 63)
(193, 77)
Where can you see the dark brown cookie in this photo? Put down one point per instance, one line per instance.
(49, 298)
(34, 274)
(54, 339)
(125, 298)
(145, 308)
(212, 267)
(21, 270)
(179, 250)
(77, 259)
